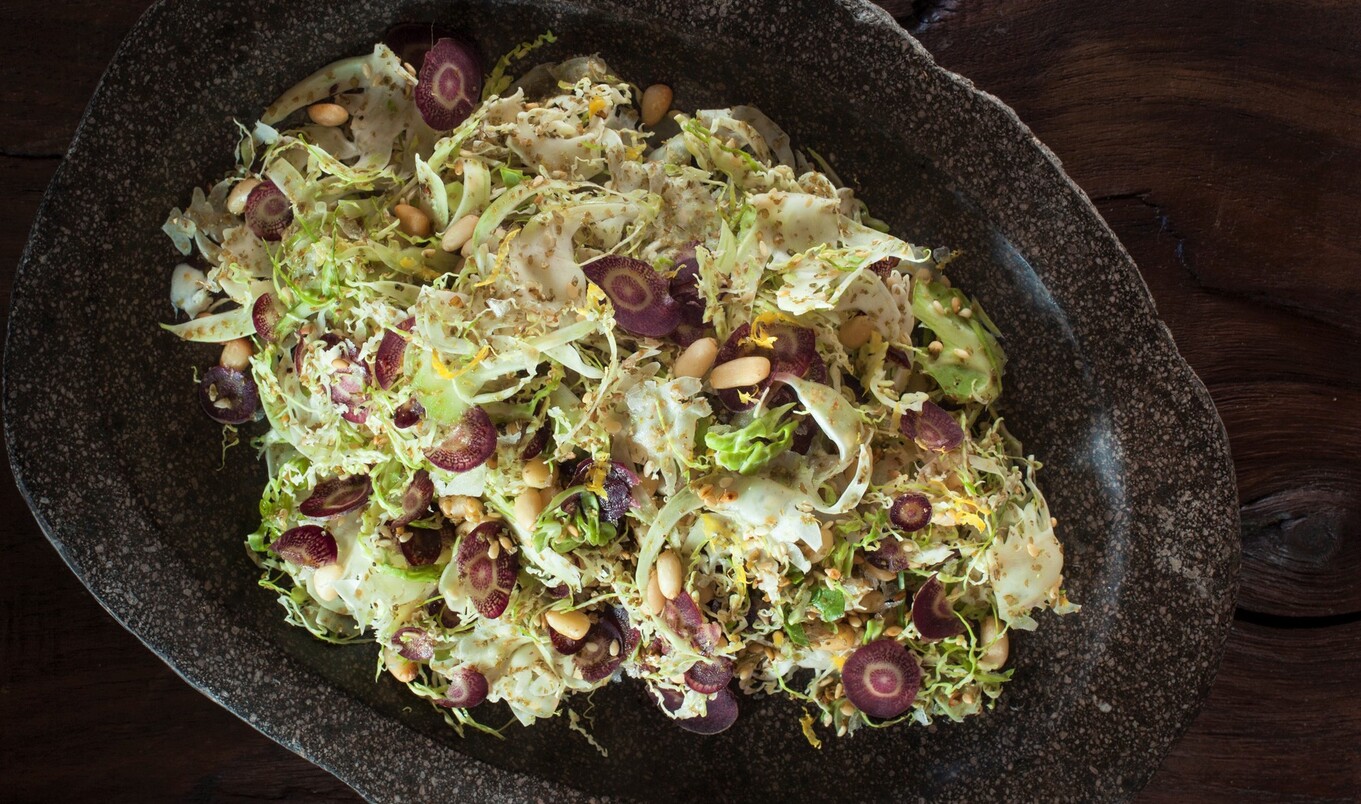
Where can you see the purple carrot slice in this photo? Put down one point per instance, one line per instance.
(422, 546)
(449, 84)
(446, 617)
(414, 644)
(420, 492)
(408, 414)
(619, 481)
(468, 445)
(467, 688)
(564, 644)
(892, 555)
(933, 428)
(721, 714)
(595, 658)
(347, 385)
(534, 447)
(932, 614)
(794, 351)
(684, 288)
(337, 496)
(265, 315)
(489, 581)
(804, 433)
(387, 364)
(910, 511)
(268, 211)
(884, 268)
(631, 635)
(686, 334)
(228, 396)
(682, 615)
(306, 546)
(560, 591)
(881, 679)
(707, 638)
(641, 296)
(711, 676)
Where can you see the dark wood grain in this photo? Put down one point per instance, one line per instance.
(1220, 139)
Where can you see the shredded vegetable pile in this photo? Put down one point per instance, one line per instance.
(563, 385)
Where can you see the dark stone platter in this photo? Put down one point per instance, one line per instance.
(122, 472)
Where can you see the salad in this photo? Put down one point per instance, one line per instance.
(564, 385)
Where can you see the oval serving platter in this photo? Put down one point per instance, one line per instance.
(123, 474)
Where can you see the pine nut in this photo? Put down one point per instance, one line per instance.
(527, 508)
(571, 624)
(536, 473)
(236, 354)
(656, 601)
(656, 100)
(856, 332)
(236, 199)
(878, 574)
(412, 221)
(669, 574)
(324, 580)
(697, 359)
(494, 550)
(328, 114)
(740, 372)
(996, 654)
(401, 669)
(458, 233)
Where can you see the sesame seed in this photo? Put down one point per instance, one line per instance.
(963, 354)
(967, 312)
(938, 307)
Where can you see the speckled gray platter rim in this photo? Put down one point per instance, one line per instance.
(1048, 219)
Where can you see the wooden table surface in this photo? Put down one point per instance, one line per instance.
(1222, 141)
